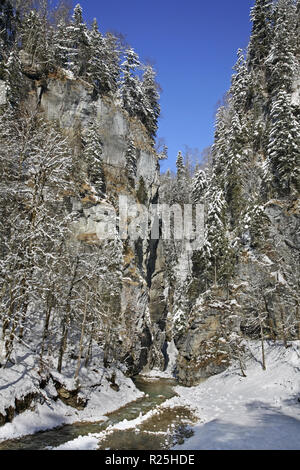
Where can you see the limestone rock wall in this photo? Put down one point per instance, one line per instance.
(73, 105)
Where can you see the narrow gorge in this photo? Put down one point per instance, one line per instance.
(82, 313)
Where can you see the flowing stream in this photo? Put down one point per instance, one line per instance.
(161, 431)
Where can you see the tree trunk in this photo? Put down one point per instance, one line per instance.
(283, 326)
(89, 351)
(106, 348)
(66, 320)
(7, 319)
(262, 338)
(215, 272)
(81, 339)
(64, 339)
(241, 364)
(46, 330)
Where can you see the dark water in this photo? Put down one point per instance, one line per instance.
(160, 432)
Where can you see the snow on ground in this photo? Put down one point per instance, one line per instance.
(21, 378)
(260, 411)
(91, 441)
(52, 414)
(17, 382)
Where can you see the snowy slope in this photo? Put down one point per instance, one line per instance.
(48, 411)
(260, 411)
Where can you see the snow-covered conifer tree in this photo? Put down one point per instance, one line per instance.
(61, 45)
(283, 148)
(77, 43)
(131, 163)
(112, 59)
(182, 181)
(216, 256)
(239, 91)
(180, 165)
(199, 186)
(282, 63)
(261, 36)
(220, 146)
(103, 66)
(93, 158)
(97, 68)
(151, 101)
(131, 89)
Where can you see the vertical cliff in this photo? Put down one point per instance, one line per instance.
(141, 314)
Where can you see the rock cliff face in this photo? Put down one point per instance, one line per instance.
(72, 104)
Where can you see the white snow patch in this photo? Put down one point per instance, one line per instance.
(295, 98)
(3, 91)
(89, 442)
(260, 411)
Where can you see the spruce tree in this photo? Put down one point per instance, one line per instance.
(256, 225)
(180, 166)
(131, 90)
(96, 68)
(61, 45)
(283, 149)
(199, 186)
(93, 157)
(219, 148)
(151, 101)
(261, 36)
(103, 67)
(281, 62)
(112, 59)
(182, 187)
(131, 163)
(216, 256)
(235, 167)
(239, 91)
(78, 43)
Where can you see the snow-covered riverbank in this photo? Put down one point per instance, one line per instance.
(102, 390)
(260, 411)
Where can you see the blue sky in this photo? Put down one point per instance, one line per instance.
(193, 46)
